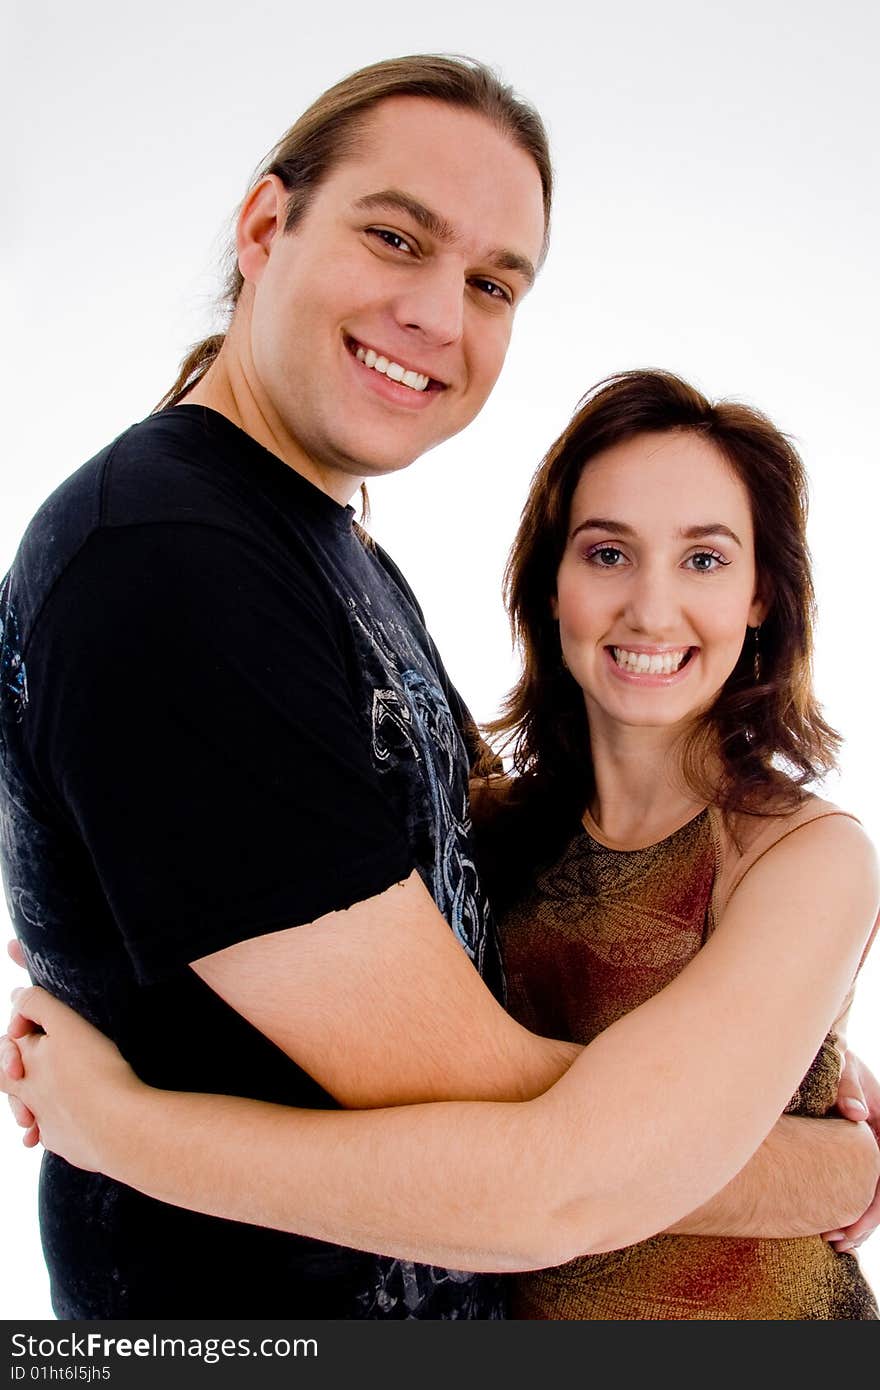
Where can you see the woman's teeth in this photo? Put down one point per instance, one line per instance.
(661, 664)
(393, 370)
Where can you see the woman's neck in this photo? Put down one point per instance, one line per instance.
(640, 794)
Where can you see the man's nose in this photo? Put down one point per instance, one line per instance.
(434, 305)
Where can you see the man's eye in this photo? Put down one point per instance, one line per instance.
(392, 239)
(493, 290)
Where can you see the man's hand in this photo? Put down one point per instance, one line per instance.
(858, 1098)
(65, 1073)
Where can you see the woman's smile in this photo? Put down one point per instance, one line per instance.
(657, 584)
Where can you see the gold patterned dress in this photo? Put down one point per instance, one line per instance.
(602, 930)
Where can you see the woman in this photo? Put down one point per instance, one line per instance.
(629, 563)
(700, 931)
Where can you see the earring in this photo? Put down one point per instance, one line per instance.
(756, 655)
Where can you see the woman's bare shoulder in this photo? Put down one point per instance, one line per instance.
(809, 838)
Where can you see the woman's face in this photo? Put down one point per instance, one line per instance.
(657, 583)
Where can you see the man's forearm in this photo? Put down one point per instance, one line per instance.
(805, 1178)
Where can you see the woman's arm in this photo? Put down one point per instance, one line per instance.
(807, 1175)
(655, 1115)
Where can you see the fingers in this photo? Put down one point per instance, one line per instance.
(15, 952)
(11, 1064)
(35, 1006)
(851, 1237)
(871, 1092)
(12, 1070)
(852, 1107)
(21, 1027)
(851, 1100)
(20, 1113)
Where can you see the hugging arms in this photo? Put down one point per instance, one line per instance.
(592, 1162)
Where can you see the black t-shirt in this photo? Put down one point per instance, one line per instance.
(220, 715)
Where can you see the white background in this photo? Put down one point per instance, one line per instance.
(717, 214)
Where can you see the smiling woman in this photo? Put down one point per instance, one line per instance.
(614, 566)
(651, 624)
(664, 727)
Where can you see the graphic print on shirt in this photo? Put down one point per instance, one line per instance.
(417, 744)
(13, 675)
(420, 716)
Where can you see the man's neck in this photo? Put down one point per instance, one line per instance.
(225, 387)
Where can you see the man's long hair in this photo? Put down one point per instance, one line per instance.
(328, 132)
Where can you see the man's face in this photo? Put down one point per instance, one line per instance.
(414, 253)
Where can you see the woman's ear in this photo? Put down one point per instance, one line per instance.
(554, 608)
(761, 604)
(758, 611)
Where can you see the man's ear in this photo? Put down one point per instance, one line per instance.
(261, 219)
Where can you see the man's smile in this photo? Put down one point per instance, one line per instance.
(402, 373)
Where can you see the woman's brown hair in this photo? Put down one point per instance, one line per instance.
(328, 131)
(764, 737)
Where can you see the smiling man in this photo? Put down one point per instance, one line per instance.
(228, 740)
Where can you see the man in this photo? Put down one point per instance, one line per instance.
(228, 741)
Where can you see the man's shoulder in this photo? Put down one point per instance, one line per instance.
(169, 470)
(170, 466)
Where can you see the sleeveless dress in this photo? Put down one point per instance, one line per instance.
(601, 930)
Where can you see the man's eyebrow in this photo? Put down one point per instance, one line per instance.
(395, 198)
(440, 229)
(687, 533)
(512, 260)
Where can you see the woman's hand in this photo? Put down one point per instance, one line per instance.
(65, 1080)
(858, 1098)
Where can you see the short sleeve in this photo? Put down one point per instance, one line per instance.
(191, 711)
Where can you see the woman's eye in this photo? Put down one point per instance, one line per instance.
(706, 561)
(392, 239)
(606, 556)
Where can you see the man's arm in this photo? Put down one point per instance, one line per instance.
(381, 1005)
(805, 1178)
(417, 1024)
(803, 1170)
(658, 1112)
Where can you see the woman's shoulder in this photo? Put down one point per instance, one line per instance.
(742, 839)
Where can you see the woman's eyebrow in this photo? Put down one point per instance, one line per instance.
(688, 533)
(710, 528)
(602, 523)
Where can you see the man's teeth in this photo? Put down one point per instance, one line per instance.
(662, 664)
(393, 370)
